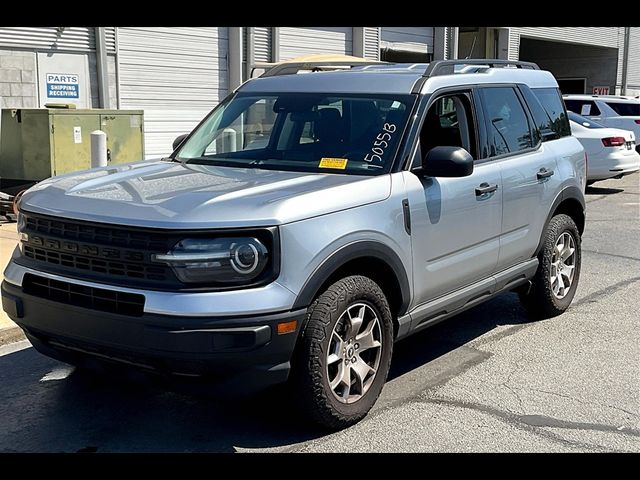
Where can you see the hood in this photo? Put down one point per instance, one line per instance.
(171, 195)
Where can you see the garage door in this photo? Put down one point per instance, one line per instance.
(305, 41)
(176, 75)
(410, 39)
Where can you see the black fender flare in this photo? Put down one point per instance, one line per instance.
(569, 193)
(353, 251)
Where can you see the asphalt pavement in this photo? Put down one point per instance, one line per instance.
(487, 380)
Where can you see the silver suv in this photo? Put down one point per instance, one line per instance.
(308, 223)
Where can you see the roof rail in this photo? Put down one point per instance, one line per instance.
(447, 67)
(289, 68)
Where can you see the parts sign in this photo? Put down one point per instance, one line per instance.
(62, 85)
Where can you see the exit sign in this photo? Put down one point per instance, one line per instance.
(601, 90)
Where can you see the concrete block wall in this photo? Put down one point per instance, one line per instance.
(18, 79)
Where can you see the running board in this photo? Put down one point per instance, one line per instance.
(457, 302)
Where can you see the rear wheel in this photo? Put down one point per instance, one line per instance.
(555, 282)
(344, 354)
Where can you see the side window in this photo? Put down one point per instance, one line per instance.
(551, 101)
(508, 127)
(448, 123)
(625, 109)
(582, 107)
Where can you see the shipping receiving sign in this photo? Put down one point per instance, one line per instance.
(63, 85)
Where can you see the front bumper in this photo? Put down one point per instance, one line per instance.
(242, 353)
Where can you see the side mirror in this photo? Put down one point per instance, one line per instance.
(179, 139)
(447, 162)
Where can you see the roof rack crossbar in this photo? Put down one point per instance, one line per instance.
(445, 67)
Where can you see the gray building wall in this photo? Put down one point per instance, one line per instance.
(598, 65)
(18, 79)
(633, 75)
(19, 47)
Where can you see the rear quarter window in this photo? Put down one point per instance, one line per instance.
(582, 107)
(625, 109)
(551, 101)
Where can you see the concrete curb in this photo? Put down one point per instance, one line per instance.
(11, 335)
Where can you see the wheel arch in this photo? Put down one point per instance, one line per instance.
(369, 258)
(570, 202)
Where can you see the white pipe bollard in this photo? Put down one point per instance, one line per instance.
(98, 149)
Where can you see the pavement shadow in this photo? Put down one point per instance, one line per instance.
(94, 413)
(591, 190)
(437, 340)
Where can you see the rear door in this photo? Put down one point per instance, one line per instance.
(528, 170)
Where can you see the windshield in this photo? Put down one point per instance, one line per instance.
(585, 122)
(331, 133)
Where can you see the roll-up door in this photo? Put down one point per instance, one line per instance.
(295, 42)
(412, 40)
(176, 75)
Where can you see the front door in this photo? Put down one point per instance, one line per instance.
(455, 222)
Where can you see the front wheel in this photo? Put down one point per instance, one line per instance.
(344, 354)
(555, 282)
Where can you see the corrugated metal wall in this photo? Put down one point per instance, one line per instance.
(176, 75)
(110, 39)
(372, 43)
(633, 73)
(78, 39)
(409, 35)
(262, 44)
(305, 41)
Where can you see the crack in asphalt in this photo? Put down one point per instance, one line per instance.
(512, 389)
(592, 297)
(535, 423)
(583, 402)
(625, 257)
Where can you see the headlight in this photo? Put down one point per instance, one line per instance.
(232, 260)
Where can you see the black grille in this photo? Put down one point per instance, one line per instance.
(96, 250)
(105, 235)
(95, 264)
(88, 297)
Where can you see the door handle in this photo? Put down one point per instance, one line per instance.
(485, 187)
(544, 173)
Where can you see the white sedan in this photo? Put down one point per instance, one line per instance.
(611, 152)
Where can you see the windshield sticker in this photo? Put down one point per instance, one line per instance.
(586, 109)
(381, 142)
(339, 163)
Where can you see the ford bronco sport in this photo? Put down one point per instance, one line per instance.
(308, 223)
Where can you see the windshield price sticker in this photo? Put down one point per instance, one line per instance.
(338, 163)
(380, 143)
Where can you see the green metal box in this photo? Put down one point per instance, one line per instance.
(38, 143)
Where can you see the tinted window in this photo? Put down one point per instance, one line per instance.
(582, 107)
(585, 122)
(551, 101)
(626, 109)
(507, 124)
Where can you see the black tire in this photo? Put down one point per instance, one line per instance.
(540, 301)
(309, 375)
